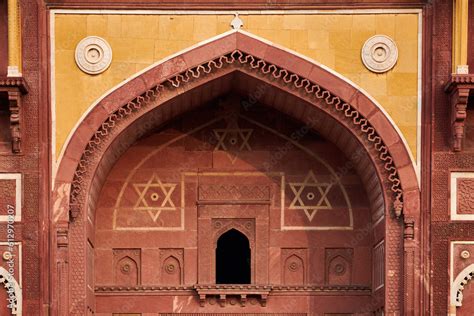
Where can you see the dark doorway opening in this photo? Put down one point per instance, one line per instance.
(233, 258)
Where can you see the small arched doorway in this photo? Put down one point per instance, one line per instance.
(233, 258)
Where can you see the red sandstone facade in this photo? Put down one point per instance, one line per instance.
(240, 136)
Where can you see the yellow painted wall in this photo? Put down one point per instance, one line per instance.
(139, 40)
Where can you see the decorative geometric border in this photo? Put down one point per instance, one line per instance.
(238, 59)
(454, 176)
(18, 195)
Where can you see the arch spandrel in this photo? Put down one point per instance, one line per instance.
(221, 45)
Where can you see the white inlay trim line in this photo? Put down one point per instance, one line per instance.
(453, 195)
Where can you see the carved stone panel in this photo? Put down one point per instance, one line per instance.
(462, 195)
(10, 196)
(244, 225)
(172, 266)
(465, 196)
(233, 192)
(339, 266)
(127, 263)
(294, 264)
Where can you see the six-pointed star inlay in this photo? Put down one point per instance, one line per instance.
(233, 141)
(310, 195)
(154, 197)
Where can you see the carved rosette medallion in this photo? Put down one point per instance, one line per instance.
(379, 53)
(93, 55)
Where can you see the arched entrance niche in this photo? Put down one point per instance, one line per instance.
(462, 293)
(233, 258)
(238, 62)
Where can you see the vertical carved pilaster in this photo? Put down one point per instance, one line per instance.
(409, 230)
(409, 266)
(62, 271)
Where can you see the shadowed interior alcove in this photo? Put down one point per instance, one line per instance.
(233, 258)
(245, 209)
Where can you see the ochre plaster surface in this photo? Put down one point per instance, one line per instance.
(137, 41)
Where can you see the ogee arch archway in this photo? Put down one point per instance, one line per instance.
(208, 69)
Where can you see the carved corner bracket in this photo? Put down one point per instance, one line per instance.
(15, 88)
(458, 88)
(223, 293)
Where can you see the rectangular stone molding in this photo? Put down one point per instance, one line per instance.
(10, 196)
(294, 263)
(172, 266)
(339, 266)
(127, 266)
(462, 195)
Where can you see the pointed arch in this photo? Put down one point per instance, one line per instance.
(240, 48)
(127, 271)
(171, 272)
(233, 258)
(112, 125)
(463, 278)
(294, 270)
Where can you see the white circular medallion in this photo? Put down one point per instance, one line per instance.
(379, 53)
(465, 254)
(93, 55)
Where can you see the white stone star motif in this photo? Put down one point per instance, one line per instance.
(314, 200)
(154, 197)
(233, 141)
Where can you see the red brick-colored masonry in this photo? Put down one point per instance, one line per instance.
(197, 56)
(30, 162)
(444, 160)
(242, 4)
